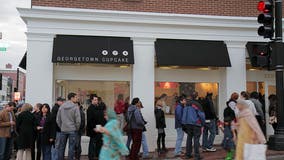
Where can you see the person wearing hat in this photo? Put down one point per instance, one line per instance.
(56, 132)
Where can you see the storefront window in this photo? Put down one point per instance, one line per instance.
(169, 91)
(107, 90)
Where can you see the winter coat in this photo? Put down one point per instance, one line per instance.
(26, 129)
(83, 122)
(193, 115)
(160, 118)
(46, 133)
(68, 117)
(5, 124)
(135, 118)
(95, 116)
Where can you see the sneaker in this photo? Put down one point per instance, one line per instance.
(211, 149)
(147, 157)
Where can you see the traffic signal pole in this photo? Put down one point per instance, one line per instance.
(276, 141)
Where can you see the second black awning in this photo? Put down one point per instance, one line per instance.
(172, 52)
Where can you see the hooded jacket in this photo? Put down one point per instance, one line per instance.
(68, 117)
(135, 118)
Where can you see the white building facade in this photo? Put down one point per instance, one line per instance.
(44, 23)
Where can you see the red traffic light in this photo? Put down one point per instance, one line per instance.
(261, 6)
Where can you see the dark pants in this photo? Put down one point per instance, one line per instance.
(78, 148)
(195, 133)
(161, 138)
(95, 146)
(136, 135)
(6, 146)
(36, 145)
(274, 125)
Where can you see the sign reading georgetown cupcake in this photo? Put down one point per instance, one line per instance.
(92, 49)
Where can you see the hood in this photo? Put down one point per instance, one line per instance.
(131, 108)
(67, 105)
(111, 114)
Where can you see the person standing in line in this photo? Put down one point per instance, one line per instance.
(178, 127)
(136, 123)
(160, 125)
(193, 119)
(95, 116)
(210, 124)
(273, 111)
(7, 127)
(69, 120)
(45, 129)
(113, 146)
(78, 148)
(119, 108)
(36, 144)
(254, 96)
(26, 128)
(56, 131)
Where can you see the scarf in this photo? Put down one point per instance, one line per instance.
(252, 122)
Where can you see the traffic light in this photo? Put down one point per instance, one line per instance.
(259, 54)
(266, 18)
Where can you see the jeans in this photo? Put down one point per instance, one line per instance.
(193, 132)
(207, 142)
(54, 149)
(144, 145)
(46, 152)
(63, 140)
(78, 148)
(129, 138)
(180, 135)
(6, 146)
(95, 146)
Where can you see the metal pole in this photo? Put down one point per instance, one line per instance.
(277, 141)
(17, 85)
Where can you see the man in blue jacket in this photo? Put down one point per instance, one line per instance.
(178, 127)
(193, 119)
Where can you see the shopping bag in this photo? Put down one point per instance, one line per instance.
(255, 151)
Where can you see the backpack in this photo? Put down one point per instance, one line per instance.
(129, 119)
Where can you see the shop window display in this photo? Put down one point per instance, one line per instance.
(168, 92)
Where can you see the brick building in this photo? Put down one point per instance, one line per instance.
(143, 48)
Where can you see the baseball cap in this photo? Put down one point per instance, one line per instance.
(60, 99)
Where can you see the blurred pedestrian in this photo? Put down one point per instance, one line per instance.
(119, 108)
(113, 145)
(248, 129)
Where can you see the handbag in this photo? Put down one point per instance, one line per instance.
(255, 151)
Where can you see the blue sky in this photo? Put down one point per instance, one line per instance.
(13, 32)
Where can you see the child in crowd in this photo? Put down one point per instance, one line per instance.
(229, 137)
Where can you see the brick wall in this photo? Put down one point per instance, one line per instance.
(203, 7)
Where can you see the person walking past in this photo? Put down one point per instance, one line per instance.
(56, 132)
(178, 125)
(193, 119)
(210, 124)
(26, 129)
(113, 146)
(7, 129)
(232, 102)
(248, 129)
(95, 116)
(136, 123)
(160, 125)
(229, 136)
(119, 108)
(251, 106)
(68, 119)
(78, 148)
(36, 144)
(273, 111)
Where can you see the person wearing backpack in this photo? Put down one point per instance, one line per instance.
(136, 125)
(193, 119)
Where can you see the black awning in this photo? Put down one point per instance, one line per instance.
(171, 52)
(92, 49)
(23, 63)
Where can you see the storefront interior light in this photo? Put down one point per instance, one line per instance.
(123, 66)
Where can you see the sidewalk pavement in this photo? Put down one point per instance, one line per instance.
(218, 155)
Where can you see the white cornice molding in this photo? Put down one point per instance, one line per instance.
(38, 12)
(40, 37)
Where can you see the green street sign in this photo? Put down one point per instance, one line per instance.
(3, 49)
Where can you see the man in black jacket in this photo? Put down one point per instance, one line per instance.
(95, 116)
(56, 132)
